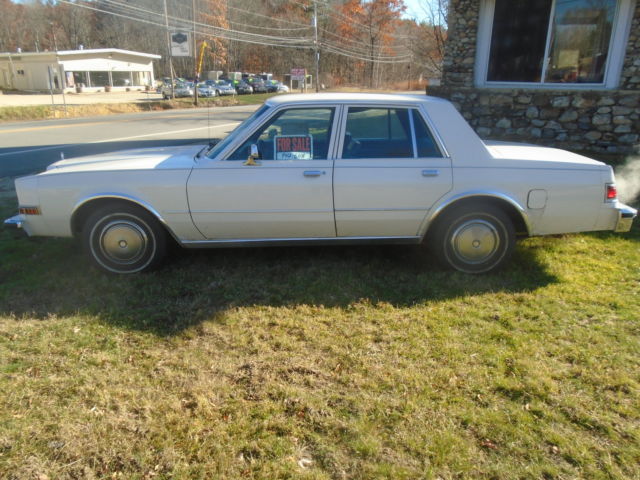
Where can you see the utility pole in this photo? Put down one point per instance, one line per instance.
(315, 43)
(166, 22)
(196, 71)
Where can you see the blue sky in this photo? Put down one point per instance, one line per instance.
(415, 9)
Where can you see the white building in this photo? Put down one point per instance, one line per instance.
(91, 70)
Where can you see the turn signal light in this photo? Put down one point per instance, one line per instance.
(29, 210)
(612, 192)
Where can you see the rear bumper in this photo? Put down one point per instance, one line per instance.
(626, 214)
(15, 221)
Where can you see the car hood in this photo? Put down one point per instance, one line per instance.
(140, 159)
(544, 157)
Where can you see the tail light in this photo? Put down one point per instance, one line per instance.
(611, 193)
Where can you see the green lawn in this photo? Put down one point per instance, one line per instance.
(320, 363)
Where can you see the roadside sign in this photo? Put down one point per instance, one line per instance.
(298, 74)
(180, 44)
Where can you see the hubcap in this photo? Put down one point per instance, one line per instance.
(123, 242)
(475, 241)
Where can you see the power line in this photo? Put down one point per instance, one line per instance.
(357, 46)
(135, 13)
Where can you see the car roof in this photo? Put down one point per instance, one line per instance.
(352, 98)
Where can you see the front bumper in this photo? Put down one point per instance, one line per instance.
(15, 221)
(626, 214)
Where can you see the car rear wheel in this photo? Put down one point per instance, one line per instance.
(122, 238)
(473, 238)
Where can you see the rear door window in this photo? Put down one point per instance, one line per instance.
(425, 142)
(377, 133)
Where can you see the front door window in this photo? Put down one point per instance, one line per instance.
(293, 134)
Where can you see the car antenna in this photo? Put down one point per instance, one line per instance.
(209, 121)
(61, 155)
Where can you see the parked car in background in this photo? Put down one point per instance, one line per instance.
(258, 86)
(179, 90)
(205, 90)
(276, 86)
(326, 169)
(243, 88)
(224, 88)
(271, 85)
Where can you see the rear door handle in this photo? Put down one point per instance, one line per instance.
(430, 173)
(313, 173)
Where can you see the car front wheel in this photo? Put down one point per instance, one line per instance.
(122, 238)
(473, 239)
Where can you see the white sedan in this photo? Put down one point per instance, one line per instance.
(329, 169)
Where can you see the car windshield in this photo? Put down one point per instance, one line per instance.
(220, 146)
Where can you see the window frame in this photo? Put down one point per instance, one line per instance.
(261, 120)
(615, 59)
(411, 109)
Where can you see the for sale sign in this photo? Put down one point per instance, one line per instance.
(293, 147)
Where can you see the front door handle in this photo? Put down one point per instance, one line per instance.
(313, 173)
(430, 173)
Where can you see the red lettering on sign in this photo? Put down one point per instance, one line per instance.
(293, 144)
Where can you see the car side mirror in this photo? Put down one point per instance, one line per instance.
(254, 154)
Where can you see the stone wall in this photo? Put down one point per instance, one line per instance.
(460, 49)
(630, 79)
(602, 121)
(598, 121)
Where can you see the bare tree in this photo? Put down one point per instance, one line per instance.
(434, 35)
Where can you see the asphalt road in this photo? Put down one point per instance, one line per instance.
(28, 147)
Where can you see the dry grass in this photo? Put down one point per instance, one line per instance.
(42, 112)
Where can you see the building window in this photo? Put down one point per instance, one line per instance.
(141, 78)
(80, 78)
(552, 42)
(121, 79)
(99, 79)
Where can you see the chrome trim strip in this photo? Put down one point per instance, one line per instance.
(478, 193)
(120, 196)
(256, 212)
(388, 167)
(407, 209)
(279, 242)
(15, 221)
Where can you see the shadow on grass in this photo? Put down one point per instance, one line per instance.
(45, 277)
